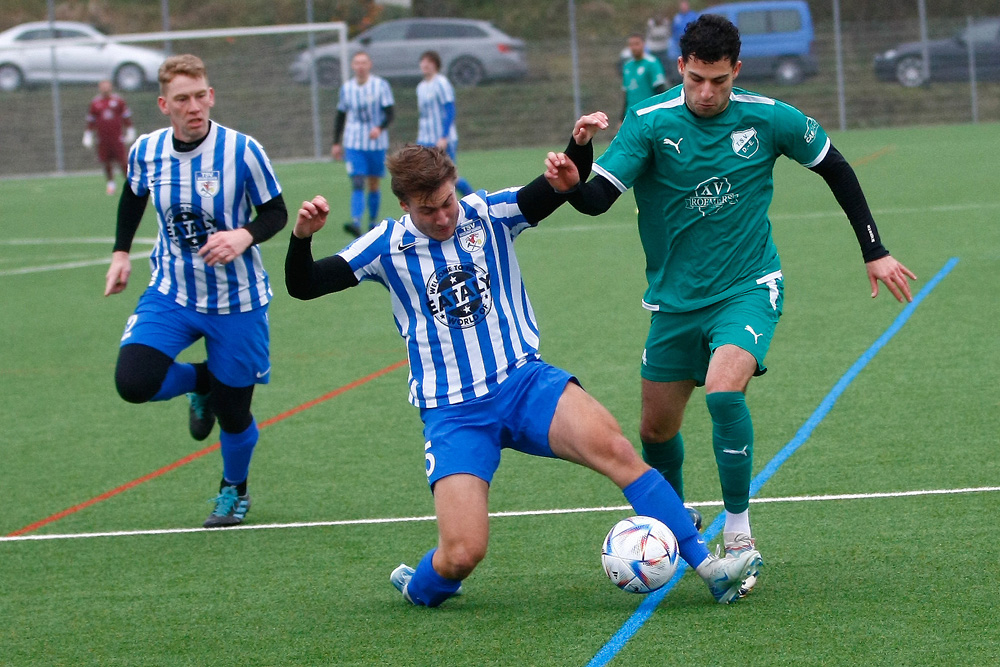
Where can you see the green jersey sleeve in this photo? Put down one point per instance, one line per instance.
(627, 156)
(798, 136)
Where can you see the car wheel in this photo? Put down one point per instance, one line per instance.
(466, 71)
(129, 77)
(788, 72)
(328, 72)
(11, 77)
(910, 71)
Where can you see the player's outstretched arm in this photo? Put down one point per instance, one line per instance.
(893, 274)
(561, 173)
(305, 278)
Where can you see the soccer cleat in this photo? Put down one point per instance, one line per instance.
(695, 516)
(726, 576)
(230, 508)
(739, 545)
(401, 576)
(201, 419)
(352, 228)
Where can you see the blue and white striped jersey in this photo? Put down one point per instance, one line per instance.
(363, 105)
(459, 304)
(432, 99)
(211, 188)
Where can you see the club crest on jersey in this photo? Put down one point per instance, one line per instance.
(471, 235)
(188, 226)
(711, 195)
(206, 183)
(458, 295)
(812, 127)
(745, 142)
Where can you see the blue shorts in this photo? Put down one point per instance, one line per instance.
(467, 437)
(364, 163)
(236, 343)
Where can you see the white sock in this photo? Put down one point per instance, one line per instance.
(736, 523)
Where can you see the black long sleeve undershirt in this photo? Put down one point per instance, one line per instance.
(307, 279)
(843, 182)
(537, 200)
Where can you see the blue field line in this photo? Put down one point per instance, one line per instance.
(649, 604)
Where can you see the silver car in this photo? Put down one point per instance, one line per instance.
(471, 51)
(83, 54)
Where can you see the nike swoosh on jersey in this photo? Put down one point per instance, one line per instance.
(403, 247)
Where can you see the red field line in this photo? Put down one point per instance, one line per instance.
(207, 450)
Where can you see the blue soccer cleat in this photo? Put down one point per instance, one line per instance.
(230, 508)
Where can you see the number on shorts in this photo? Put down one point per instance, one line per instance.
(128, 326)
(428, 458)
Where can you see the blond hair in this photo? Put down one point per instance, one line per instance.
(186, 64)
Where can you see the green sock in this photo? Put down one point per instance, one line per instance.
(732, 439)
(668, 458)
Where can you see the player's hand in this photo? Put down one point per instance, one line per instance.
(116, 279)
(224, 247)
(589, 125)
(129, 135)
(337, 152)
(311, 217)
(561, 172)
(375, 133)
(893, 274)
(88, 139)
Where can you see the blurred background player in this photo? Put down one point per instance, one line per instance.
(701, 161)
(111, 120)
(682, 18)
(658, 37)
(365, 110)
(642, 76)
(207, 281)
(436, 103)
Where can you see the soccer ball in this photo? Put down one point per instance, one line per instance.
(639, 554)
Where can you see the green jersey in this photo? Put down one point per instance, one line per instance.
(703, 187)
(640, 79)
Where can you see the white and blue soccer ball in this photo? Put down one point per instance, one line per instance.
(639, 554)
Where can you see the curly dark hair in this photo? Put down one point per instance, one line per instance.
(710, 39)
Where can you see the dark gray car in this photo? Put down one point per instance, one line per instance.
(949, 58)
(471, 52)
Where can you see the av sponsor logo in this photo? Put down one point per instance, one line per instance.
(711, 195)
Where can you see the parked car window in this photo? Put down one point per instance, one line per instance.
(386, 32)
(786, 20)
(753, 23)
(72, 34)
(35, 34)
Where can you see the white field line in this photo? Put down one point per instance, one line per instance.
(577, 510)
(65, 265)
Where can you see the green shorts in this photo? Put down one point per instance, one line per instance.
(680, 345)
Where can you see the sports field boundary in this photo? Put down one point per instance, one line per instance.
(494, 515)
(646, 608)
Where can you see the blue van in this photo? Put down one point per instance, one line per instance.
(777, 38)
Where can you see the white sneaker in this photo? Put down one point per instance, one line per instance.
(741, 543)
(400, 577)
(726, 576)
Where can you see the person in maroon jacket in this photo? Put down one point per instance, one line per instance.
(111, 120)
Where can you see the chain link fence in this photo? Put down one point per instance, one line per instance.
(255, 94)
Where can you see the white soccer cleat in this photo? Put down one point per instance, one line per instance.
(726, 577)
(740, 544)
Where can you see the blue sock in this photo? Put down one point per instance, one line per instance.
(237, 448)
(181, 379)
(463, 187)
(651, 495)
(429, 588)
(357, 205)
(374, 202)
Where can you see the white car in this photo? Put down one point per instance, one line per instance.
(83, 54)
